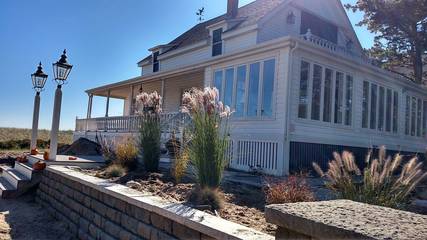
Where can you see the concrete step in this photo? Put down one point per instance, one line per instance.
(25, 169)
(6, 189)
(15, 178)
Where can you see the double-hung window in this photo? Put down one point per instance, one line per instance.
(380, 108)
(325, 94)
(248, 89)
(217, 42)
(156, 63)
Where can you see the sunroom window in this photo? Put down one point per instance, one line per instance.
(217, 42)
(248, 89)
(325, 94)
(415, 116)
(380, 108)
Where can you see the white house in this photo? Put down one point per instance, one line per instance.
(295, 74)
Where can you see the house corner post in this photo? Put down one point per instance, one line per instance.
(55, 124)
(108, 103)
(35, 125)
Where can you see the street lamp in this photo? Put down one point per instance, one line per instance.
(39, 79)
(61, 70)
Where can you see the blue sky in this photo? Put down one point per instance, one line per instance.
(104, 39)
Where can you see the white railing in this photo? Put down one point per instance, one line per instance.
(123, 123)
(341, 50)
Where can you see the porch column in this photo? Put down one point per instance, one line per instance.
(108, 103)
(89, 106)
(132, 88)
(162, 91)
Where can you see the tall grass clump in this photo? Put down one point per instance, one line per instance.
(127, 154)
(384, 181)
(293, 189)
(209, 135)
(150, 131)
(108, 150)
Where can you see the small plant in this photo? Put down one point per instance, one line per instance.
(293, 189)
(207, 197)
(126, 154)
(150, 130)
(114, 170)
(107, 148)
(180, 165)
(379, 183)
(209, 135)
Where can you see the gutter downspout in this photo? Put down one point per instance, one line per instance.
(293, 46)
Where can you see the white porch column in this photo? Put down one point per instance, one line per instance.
(55, 124)
(108, 103)
(162, 91)
(89, 107)
(35, 121)
(132, 89)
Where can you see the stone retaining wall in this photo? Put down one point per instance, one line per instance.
(94, 208)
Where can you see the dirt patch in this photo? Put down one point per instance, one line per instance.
(243, 204)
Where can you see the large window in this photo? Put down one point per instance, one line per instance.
(318, 27)
(415, 116)
(217, 42)
(380, 108)
(330, 97)
(248, 89)
(156, 63)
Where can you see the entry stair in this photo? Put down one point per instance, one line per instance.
(15, 181)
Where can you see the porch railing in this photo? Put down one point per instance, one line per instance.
(125, 123)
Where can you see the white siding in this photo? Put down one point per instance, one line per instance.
(240, 42)
(276, 26)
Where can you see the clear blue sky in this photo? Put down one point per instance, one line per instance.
(104, 39)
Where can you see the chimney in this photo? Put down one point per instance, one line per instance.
(232, 6)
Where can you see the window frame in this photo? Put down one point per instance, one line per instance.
(419, 126)
(156, 62)
(216, 43)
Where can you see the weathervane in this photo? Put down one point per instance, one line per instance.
(200, 13)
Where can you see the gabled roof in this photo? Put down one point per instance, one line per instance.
(248, 14)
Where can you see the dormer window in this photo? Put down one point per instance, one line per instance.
(156, 63)
(318, 27)
(217, 42)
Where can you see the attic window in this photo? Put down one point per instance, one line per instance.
(217, 42)
(318, 27)
(290, 19)
(156, 63)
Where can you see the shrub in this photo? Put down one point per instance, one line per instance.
(107, 148)
(180, 165)
(150, 131)
(126, 154)
(209, 135)
(379, 183)
(115, 170)
(207, 196)
(293, 189)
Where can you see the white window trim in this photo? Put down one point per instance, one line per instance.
(417, 97)
(222, 41)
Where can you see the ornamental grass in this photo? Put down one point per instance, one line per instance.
(150, 108)
(385, 181)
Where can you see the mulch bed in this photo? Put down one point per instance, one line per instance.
(242, 204)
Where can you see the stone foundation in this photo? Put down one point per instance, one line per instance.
(94, 208)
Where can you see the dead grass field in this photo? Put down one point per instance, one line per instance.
(7, 134)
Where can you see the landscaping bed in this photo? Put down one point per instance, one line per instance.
(242, 204)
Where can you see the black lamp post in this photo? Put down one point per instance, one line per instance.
(61, 70)
(39, 79)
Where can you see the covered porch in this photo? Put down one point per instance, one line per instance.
(170, 86)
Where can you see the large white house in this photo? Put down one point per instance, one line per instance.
(295, 74)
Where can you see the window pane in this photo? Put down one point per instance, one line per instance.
(381, 109)
(217, 35)
(327, 97)
(424, 118)
(217, 42)
(217, 49)
(419, 114)
(373, 122)
(228, 91)
(339, 82)
(349, 100)
(268, 86)
(407, 115)
(365, 106)
(413, 115)
(395, 111)
(388, 111)
(316, 92)
(303, 89)
(253, 89)
(155, 62)
(218, 82)
(318, 27)
(240, 91)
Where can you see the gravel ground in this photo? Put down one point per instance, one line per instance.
(24, 219)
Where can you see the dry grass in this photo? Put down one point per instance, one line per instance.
(113, 171)
(7, 134)
(380, 183)
(293, 189)
(126, 154)
(180, 165)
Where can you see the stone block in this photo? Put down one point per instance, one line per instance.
(87, 201)
(79, 197)
(112, 229)
(87, 213)
(82, 235)
(182, 232)
(129, 223)
(93, 230)
(206, 237)
(98, 220)
(142, 215)
(84, 225)
(120, 205)
(94, 193)
(144, 230)
(113, 215)
(74, 217)
(160, 235)
(99, 207)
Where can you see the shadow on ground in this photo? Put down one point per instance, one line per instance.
(27, 220)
